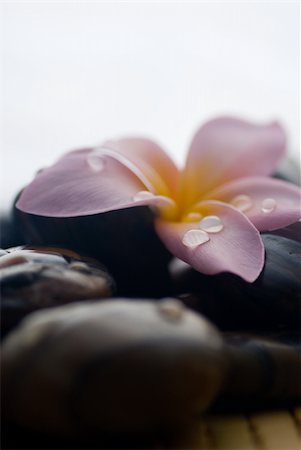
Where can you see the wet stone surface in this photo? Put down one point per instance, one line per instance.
(32, 278)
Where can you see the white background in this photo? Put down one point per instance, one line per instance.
(76, 73)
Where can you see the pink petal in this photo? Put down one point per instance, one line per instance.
(285, 196)
(225, 149)
(84, 183)
(237, 248)
(151, 160)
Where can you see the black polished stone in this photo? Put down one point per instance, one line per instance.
(273, 301)
(125, 241)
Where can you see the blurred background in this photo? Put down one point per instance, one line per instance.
(76, 73)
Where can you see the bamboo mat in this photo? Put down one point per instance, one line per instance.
(269, 430)
(274, 430)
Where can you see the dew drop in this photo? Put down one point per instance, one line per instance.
(193, 238)
(192, 217)
(268, 205)
(96, 162)
(242, 202)
(142, 195)
(211, 224)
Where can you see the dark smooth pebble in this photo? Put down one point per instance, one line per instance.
(116, 366)
(32, 278)
(272, 301)
(125, 241)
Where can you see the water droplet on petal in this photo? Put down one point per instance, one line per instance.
(242, 202)
(211, 224)
(96, 162)
(192, 217)
(142, 195)
(268, 205)
(193, 238)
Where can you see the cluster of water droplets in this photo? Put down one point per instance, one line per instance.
(207, 225)
(213, 224)
(243, 203)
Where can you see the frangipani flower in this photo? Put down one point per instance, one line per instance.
(209, 214)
